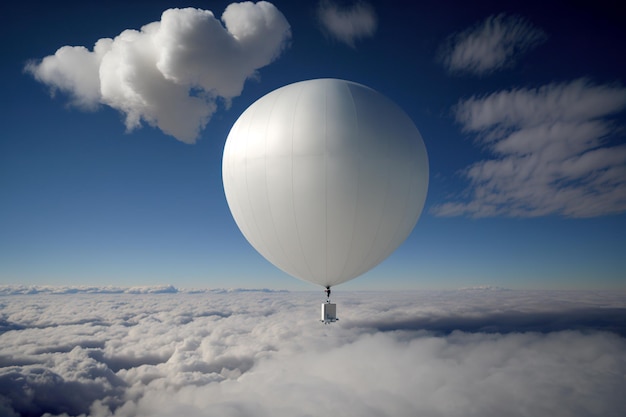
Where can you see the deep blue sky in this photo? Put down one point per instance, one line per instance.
(82, 201)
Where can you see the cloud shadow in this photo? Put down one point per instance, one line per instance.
(587, 319)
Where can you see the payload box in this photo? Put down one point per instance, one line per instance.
(329, 313)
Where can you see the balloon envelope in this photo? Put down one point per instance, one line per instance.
(325, 178)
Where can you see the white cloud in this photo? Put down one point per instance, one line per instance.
(348, 24)
(149, 289)
(491, 45)
(452, 353)
(170, 73)
(551, 152)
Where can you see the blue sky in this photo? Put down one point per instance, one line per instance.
(520, 104)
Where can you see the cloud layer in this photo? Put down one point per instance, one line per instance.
(171, 73)
(348, 24)
(153, 289)
(551, 152)
(490, 45)
(262, 354)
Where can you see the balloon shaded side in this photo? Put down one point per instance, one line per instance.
(325, 178)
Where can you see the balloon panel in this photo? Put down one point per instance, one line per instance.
(325, 178)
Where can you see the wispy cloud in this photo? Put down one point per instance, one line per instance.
(490, 45)
(453, 353)
(551, 152)
(171, 73)
(348, 24)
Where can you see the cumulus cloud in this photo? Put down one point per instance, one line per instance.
(261, 354)
(172, 73)
(551, 152)
(348, 24)
(490, 45)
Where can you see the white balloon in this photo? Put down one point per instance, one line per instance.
(325, 178)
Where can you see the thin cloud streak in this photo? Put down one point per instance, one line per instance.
(171, 74)
(551, 152)
(150, 289)
(261, 354)
(348, 24)
(492, 45)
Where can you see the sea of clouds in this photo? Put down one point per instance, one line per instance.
(161, 351)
